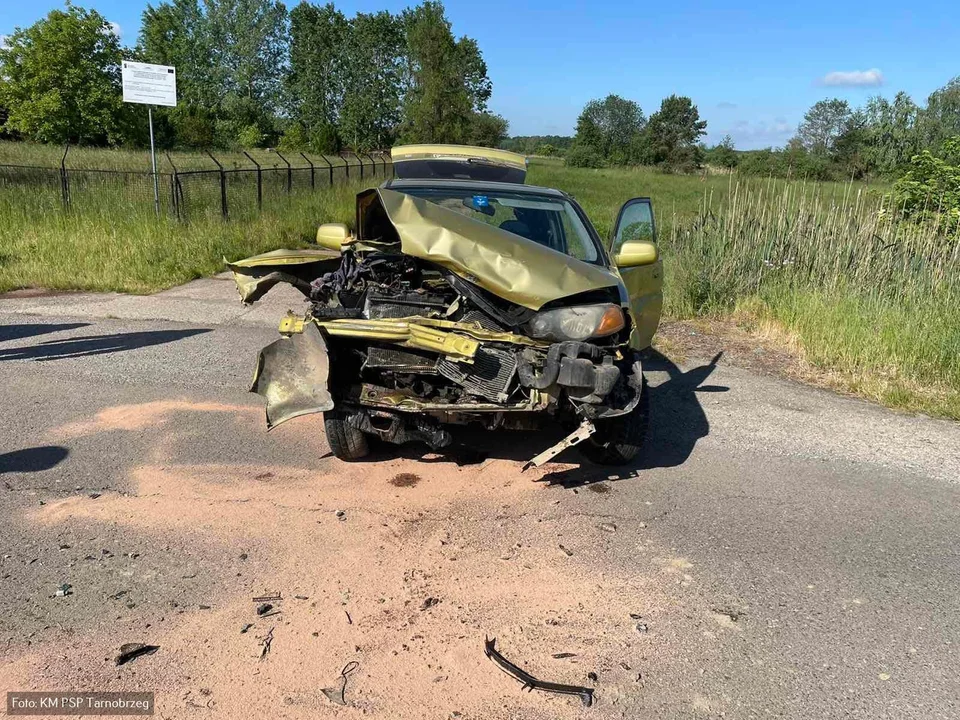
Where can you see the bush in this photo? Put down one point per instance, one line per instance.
(584, 156)
(931, 188)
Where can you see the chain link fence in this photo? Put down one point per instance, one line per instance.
(234, 186)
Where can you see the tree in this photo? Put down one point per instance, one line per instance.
(231, 56)
(445, 79)
(672, 134)
(611, 126)
(371, 108)
(723, 154)
(62, 79)
(893, 133)
(318, 36)
(941, 118)
(487, 129)
(822, 125)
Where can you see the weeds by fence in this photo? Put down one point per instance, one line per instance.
(236, 186)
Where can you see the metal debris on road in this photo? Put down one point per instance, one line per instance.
(566, 551)
(264, 609)
(530, 683)
(336, 695)
(246, 627)
(64, 590)
(131, 651)
(268, 598)
(561, 656)
(265, 644)
(349, 619)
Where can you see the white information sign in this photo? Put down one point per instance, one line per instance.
(149, 84)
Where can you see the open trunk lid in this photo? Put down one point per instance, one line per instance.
(458, 162)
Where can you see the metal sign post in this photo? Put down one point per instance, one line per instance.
(148, 84)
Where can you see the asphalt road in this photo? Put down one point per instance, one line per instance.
(779, 551)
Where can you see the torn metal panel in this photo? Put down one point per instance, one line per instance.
(512, 267)
(256, 275)
(292, 375)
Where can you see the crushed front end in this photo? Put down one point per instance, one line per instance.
(399, 346)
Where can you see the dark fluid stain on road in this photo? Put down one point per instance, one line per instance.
(405, 480)
(599, 488)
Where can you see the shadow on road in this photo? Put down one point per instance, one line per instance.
(18, 332)
(677, 422)
(32, 459)
(97, 344)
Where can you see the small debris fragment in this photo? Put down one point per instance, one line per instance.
(560, 656)
(349, 619)
(429, 603)
(64, 547)
(883, 676)
(246, 627)
(264, 609)
(566, 551)
(265, 642)
(636, 616)
(93, 496)
(336, 695)
(204, 607)
(64, 590)
(131, 651)
(341, 515)
(624, 665)
(300, 597)
(243, 556)
(268, 598)
(592, 676)
(642, 627)
(608, 527)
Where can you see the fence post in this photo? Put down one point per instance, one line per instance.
(259, 181)
(312, 183)
(174, 181)
(223, 186)
(64, 180)
(289, 171)
(329, 168)
(346, 166)
(373, 164)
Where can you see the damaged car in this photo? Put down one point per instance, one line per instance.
(462, 296)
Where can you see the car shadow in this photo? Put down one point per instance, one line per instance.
(18, 332)
(33, 459)
(96, 344)
(677, 422)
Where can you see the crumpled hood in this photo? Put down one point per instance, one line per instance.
(510, 266)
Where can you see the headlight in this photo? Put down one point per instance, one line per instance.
(576, 323)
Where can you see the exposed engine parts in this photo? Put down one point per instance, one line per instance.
(414, 346)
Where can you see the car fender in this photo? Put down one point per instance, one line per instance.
(292, 375)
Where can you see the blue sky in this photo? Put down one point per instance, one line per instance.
(752, 67)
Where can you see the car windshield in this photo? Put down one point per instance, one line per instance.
(547, 220)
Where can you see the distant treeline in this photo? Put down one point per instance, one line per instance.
(252, 74)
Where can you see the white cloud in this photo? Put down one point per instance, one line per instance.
(3, 42)
(115, 29)
(853, 78)
(749, 135)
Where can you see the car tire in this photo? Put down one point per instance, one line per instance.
(346, 441)
(619, 440)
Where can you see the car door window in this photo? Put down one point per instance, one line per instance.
(635, 223)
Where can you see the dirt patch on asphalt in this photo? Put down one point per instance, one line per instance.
(143, 415)
(402, 572)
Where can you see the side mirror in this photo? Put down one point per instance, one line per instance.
(332, 235)
(636, 253)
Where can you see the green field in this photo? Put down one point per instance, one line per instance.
(870, 302)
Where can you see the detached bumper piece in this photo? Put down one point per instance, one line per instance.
(530, 683)
(585, 430)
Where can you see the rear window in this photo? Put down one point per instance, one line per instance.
(549, 221)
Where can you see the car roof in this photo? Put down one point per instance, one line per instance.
(400, 185)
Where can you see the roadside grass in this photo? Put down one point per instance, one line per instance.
(869, 303)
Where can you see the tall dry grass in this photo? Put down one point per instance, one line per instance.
(867, 295)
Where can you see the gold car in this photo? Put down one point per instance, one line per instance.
(464, 295)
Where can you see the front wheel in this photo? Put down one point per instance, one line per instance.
(346, 441)
(618, 440)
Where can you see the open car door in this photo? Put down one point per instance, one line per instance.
(635, 252)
